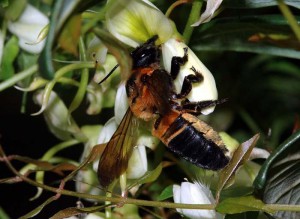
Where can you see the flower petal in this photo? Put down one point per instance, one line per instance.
(107, 131)
(121, 103)
(134, 22)
(211, 7)
(138, 164)
(194, 193)
(28, 27)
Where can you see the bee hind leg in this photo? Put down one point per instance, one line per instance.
(195, 108)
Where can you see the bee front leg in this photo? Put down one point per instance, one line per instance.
(197, 77)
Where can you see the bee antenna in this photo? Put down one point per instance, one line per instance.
(109, 74)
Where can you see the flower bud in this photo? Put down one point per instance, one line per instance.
(134, 22)
(195, 193)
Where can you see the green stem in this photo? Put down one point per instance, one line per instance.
(60, 73)
(275, 207)
(290, 18)
(18, 77)
(194, 16)
(83, 81)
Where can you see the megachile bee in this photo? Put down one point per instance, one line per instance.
(152, 97)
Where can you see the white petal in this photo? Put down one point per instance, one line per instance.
(134, 22)
(28, 28)
(206, 90)
(147, 139)
(93, 216)
(137, 165)
(107, 131)
(121, 103)
(193, 193)
(211, 7)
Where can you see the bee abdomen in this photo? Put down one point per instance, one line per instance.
(192, 144)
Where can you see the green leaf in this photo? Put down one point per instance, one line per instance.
(149, 176)
(265, 34)
(84, 80)
(280, 177)
(15, 9)
(72, 211)
(261, 178)
(283, 186)
(10, 53)
(240, 156)
(37, 210)
(3, 215)
(242, 204)
(166, 193)
(257, 3)
(61, 12)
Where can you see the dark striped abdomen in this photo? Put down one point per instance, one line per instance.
(195, 141)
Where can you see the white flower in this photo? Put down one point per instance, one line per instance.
(211, 7)
(205, 90)
(137, 165)
(195, 193)
(28, 27)
(121, 103)
(134, 22)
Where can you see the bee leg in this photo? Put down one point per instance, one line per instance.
(196, 107)
(187, 83)
(176, 62)
(197, 77)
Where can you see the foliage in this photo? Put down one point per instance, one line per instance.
(251, 47)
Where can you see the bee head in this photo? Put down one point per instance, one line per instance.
(146, 54)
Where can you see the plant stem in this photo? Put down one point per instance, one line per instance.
(18, 77)
(83, 81)
(275, 207)
(194, 16)
(174, 5)
(290, 17)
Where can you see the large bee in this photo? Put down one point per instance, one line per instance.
(152, 97)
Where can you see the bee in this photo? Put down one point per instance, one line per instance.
(152, 97)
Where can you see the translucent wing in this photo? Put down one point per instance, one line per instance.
(114, 160)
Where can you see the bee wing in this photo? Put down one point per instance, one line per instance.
(114, 160)
(160, 87)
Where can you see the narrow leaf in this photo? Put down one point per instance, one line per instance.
(240, 156)
(149, 176)
(238, 34)
(68, 212)
(61, 12)
(166, 193)
(37, 210)
(10, 53)
(242, 204)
